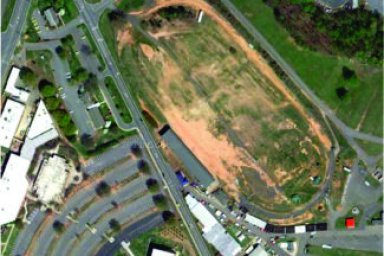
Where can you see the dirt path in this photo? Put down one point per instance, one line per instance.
(252, 55)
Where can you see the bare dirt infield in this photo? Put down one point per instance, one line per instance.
(230, 108)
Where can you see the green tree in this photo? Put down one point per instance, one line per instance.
(65, 120)
(28, 76)
(143, 166)
(70, 129)
(52, 103)
(103, 189)
(81, 75)
(61, 52)
(115, 225)
(58, 227)
(160, 201)
(168, 216)
(48, 90)
(135, 149)
(152, 185)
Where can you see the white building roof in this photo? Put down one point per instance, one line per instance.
(13, 187)
(201, 213)
(259, 251)
(224, 243)
(255, 221)
(300, 229)
(51, 180)
(40, 132)
(213, 231)
(157, 252)
(9, 121)
(11, 88)
(42, 122)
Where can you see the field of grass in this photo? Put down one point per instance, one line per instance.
(130, 5)
(109, 33)
(371, 148)
(5, 19)
(318, 251)
(41, 62)
(323, 73)
(9, 238)
(118, 100)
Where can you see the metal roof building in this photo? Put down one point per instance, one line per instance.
(11, 88)
(40, 132)
(213, 231)
(258, 251)
(13, 187)
(9, 121)
(255, 221)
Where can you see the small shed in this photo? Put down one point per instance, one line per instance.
(52, 18)
(350, 223)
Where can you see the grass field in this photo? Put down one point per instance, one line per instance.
(371, 148)
(318, 251)
(118, 100)
(8, 239)
(322, 73)
(195, 82)
(130, 5)
(5, 19)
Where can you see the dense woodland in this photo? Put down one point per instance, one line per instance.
(353, 33)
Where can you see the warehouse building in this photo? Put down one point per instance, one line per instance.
(213, 231)
(255, 221)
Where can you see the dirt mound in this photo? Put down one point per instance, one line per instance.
(124, 37)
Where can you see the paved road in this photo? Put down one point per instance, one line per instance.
(90, 243)
(162, 166)
(131, 232)
(10, 38)
(77, 201)
(371, 239)
(89, 216)
(28, 232)
(113, 155)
